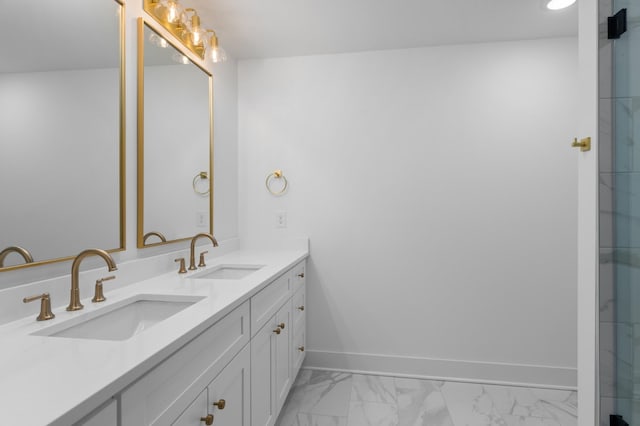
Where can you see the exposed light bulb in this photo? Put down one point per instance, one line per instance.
(174, 12)
(559, 4)
(197, 34)
(216, 53)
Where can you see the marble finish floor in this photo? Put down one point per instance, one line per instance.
(329, 398)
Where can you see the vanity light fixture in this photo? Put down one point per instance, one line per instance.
(559, 4)
(184, 24)
(215, 53)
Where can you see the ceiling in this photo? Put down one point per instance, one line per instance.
(275, 28)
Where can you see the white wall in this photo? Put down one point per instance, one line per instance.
(438, 190)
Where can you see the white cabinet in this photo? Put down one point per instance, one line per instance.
(237, 372)
(161, 396)
(270, 368)
(226, 401)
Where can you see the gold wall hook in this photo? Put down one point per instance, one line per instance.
(584, 144)
(45, 306)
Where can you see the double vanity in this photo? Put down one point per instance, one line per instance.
(218, 345)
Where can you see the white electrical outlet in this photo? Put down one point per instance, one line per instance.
(281, 219)
(202, 219)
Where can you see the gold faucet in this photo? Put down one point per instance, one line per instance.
(192, 254)
(74, 303)
(21, 251)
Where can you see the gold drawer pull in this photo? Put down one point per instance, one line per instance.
(301, 348)
(301, 308)
(220, 404)
(301, 275)
(207, 420)
(281, 325)
(277, 330)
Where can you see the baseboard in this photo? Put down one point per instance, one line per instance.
(448, 370)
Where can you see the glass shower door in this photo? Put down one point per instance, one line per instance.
(619, 181)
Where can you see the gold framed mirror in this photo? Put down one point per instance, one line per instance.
(62, 121)
(175, 141)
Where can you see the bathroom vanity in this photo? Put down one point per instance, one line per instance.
(220, 345)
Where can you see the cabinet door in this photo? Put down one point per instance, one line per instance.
(263, 356)
(283, 355)
(194, 413)
(229, 393)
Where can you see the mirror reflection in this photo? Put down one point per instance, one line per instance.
(60, 127)
(174, 145)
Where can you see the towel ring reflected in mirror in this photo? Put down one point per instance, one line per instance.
(272, 177)
(200, 176)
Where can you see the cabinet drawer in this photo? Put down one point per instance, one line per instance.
(162, 394)
(298, 276)
(298, 304)
(268, 301)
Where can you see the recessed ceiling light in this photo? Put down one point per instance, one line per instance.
(559, 4)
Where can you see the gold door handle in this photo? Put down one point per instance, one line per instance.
(220, 404)
(281, 325)
(277, 330)
(301, 308)
(207, 420)
(584, 144)
(301, 348)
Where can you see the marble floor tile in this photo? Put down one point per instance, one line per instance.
(362, 413)
(420, 403)
(373, 389)
(470, 404)
(325, 393)
(324, 398)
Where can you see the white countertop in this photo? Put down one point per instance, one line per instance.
(59, 380)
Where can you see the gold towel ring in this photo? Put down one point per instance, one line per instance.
(200, 176)
(277, 174)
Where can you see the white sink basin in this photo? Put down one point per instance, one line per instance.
(122, 320)
(228, 272)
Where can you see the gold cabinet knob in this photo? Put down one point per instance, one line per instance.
(301, 275)
(207, 420)
(277, 330)
(281, 325)
(220, 404)
(301, 348)
(301, 308)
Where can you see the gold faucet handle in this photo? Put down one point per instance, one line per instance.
(201, 264)
(183, 268)
(45, 306)
(99, 293)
